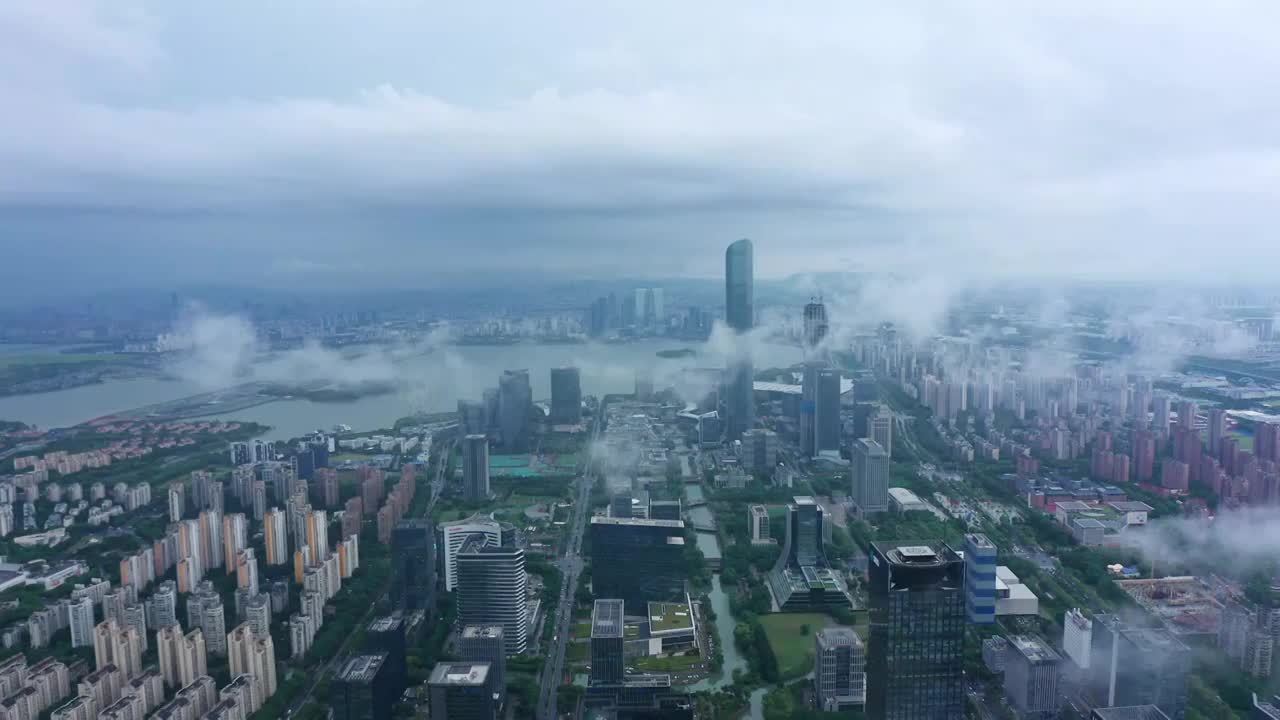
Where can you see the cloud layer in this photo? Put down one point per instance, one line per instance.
(1036, 139)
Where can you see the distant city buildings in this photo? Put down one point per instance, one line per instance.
(566, 396)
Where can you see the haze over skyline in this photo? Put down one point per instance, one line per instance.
(400, 144)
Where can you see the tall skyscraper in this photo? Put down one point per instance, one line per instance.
(637, 560)
(739, 307)
(413, 565)
(566, 396)
(235, 537)
(454, 534)
(492, 590)
(515, 407)
(869, 472)
(80, 615)
(607, 637)
(840, 669)
(815, 323)
(475, 467)
(980, 579)
(880, 428)
(461, 690)
(915, 657)
(486, 643)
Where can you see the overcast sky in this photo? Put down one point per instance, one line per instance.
(162, 143)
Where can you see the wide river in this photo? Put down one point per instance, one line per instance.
(432, 382)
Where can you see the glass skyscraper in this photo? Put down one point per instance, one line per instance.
(915, 657)
(739, 313)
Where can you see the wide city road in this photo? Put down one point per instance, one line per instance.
(570, 568)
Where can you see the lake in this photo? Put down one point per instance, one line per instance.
(432, 382)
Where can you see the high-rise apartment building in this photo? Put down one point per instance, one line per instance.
(276, 537)
(839, 673)
(869, 474)
(248, 655)
(235, 537)
(492, 590)
(739, 306)
(80, 617)
(915, 657)
(758, 517)
(475, 467)
(566, 396)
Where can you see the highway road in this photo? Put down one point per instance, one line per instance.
(570, 568)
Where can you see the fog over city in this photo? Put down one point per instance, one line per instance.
(961, 141)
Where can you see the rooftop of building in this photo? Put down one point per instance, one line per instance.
(979, 540)
(385, 623)
(916, 553)
(482, 631)
(803, 500)
(602, 520)
(669, 617)
(838, 636)
(462, 674)
(607, 619)
(361, 668)
(1033, 648)
(1131, 506)
(1133, 712)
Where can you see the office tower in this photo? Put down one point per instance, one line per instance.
(815, 323)
(454, 534)
(253, 656)
(413, 565)
(664, 509)
(1031, 675)
(475, 467)
(827, 425)
(362, 689)
(607, 638)
(638, 561)
(809, 408)
(81, 621)
(915, 657)
(597, 320)
(880, 428)
(317, 529)
(1138, 666)
(461, 691)
(393, 635)
(491, 590)
(802, 579)
(739, 310)
(840, 669)
(869, 472)
(235, 537)
(566, 396)
(515, 408)
(758, 517)
(1077, 638)
(276, 537)
(980, 579)
(759, 451)
(485, 643)
(622, 505)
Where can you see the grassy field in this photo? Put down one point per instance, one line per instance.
(678, 663)
(791, 644)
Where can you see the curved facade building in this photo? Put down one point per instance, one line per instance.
(491, 590)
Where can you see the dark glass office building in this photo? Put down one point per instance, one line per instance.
(362, 689)
(413, 565)
(607, 631)
(637, 561)
(739, 313)
(915, 657)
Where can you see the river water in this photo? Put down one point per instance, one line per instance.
(431, 382)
